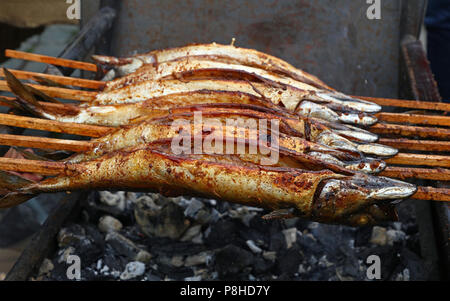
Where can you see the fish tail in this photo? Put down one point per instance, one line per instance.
(13, 189)
(26, 99)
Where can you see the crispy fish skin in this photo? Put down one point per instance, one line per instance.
(145, 133)
(157, 170)
(122, 114)
(196, 68)
(144, 90)
(227, 53)
(290, 98)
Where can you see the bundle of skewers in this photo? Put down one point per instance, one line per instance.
(330, 164)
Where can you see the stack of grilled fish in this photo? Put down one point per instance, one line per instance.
(325, 164)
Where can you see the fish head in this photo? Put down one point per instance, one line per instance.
(359, 199)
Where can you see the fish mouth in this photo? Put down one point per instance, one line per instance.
(383, 188)
(354, 103)
(396, 190)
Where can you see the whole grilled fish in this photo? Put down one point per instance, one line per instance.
(304, 102)
(214, 128)
(197, 68)
(213, 51)
(325, 196)
(115, 115)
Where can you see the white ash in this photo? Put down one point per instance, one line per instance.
(132, 270)
(108, 223)
(253, 247)
(212, 240)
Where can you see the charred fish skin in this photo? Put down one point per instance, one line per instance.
(318, 195)
(145, 132)
(196, 68)
(230, 53)
(293, 99)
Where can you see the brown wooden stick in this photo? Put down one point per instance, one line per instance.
(98, 131)
(438, 174)
(50, 60)
(419, 145)
(417, 159)
(63, 80)
(45, 143)
(414, 131)
(432, 194)
(53, 126)
(414, 119)
(33, 166)
(413, 104)
(57, 92)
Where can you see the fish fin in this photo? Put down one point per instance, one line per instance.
(27, 101)
(18, 88)
(14, 199)
(279, 214)
(9, 185)
(42, 95)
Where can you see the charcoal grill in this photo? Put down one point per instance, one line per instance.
(391, 62)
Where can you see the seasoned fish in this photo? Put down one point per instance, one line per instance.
(195, 68)
(304, 102)
(213, 51)
(148, 132)
(360, 199)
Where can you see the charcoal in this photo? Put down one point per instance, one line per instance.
(289, 261)
(232, 259)
(197, 239)
(217, 238)
(125, 247)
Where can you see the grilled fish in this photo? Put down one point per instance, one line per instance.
(304, 102)
(325, 196)
(164, 128)
(213, 51)
(196, 68)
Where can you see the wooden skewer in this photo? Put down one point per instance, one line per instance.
(50, 60)
(98, 131)
(414, 119)
(412, 104)
(419, 145)
(53, 126)
(417, 159)
(92, 67)
(57, 92)
(432, 194)
(380, 128)
(45, 143)
(57, 168)
(47, 168)
(408, 131)
(63, 80)
(438, 174)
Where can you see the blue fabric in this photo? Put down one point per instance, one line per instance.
(437, 22)
(438, 14)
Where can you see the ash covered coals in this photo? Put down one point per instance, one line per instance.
(131, 236)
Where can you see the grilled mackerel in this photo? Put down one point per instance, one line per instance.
(322, 195)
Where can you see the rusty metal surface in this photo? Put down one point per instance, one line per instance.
(421, 79)
(331, 39)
